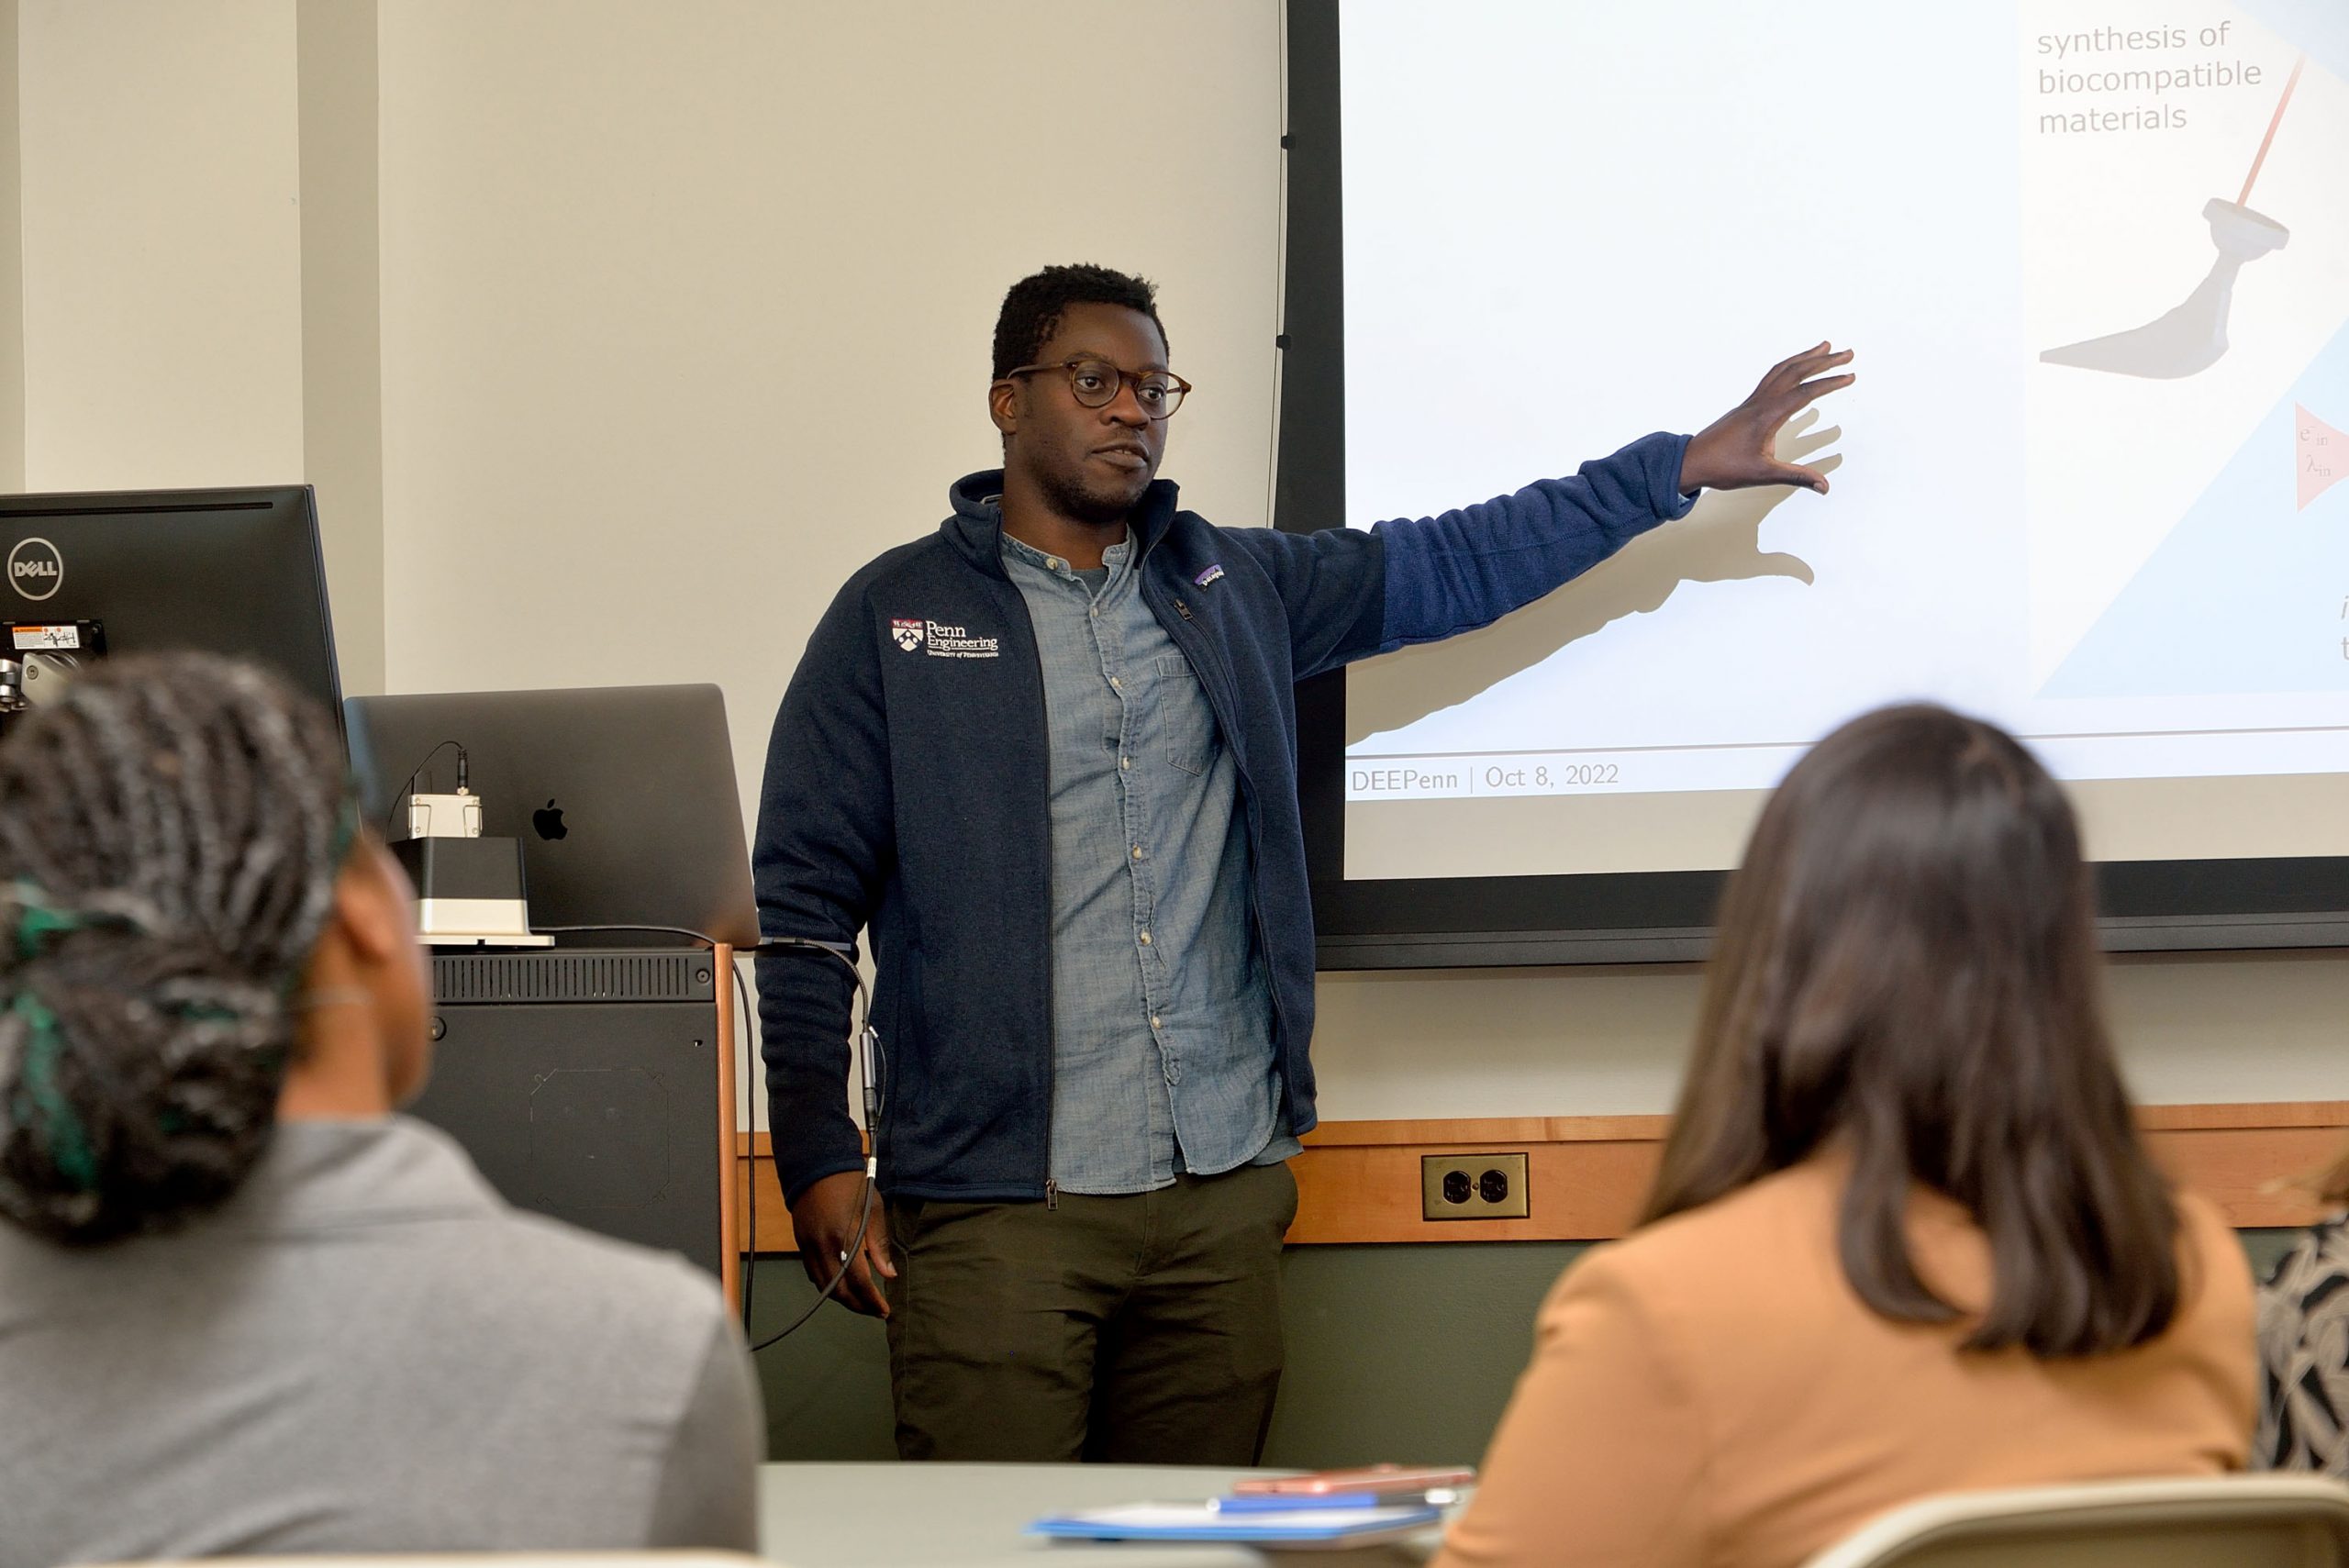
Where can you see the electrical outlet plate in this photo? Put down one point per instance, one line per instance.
(1474, 1186)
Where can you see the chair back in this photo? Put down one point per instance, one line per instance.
(2236, 1522)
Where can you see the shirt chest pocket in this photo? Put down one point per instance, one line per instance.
(1184, 720)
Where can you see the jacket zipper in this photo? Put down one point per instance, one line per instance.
(1264, 956)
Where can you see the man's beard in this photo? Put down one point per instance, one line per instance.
(1071, 499)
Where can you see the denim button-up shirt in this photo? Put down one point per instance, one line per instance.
(1161, 1008)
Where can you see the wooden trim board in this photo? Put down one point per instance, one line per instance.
(729, 1229)
(1359, 1180)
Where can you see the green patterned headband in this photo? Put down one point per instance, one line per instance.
(346, 826)
(39, 923)
(40, 1097)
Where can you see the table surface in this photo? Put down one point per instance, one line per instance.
(968, 1516)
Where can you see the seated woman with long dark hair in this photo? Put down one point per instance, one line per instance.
(244, 1307)
(1905, 1238)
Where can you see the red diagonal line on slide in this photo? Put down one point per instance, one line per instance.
(2269, 140)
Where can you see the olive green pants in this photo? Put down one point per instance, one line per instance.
(1138, 1329)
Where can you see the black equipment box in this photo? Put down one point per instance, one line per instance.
(584, 1085)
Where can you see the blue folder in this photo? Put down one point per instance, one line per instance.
(1312, 1524)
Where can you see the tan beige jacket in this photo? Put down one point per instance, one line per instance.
(1709, 1391)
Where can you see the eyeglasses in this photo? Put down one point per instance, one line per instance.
(1095, 382)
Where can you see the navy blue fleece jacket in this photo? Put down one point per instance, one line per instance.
(905, 792)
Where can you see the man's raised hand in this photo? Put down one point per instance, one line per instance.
(1738, 449)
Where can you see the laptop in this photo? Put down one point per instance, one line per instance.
(622, 797)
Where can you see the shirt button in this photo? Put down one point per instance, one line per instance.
(1153, 1020)
(1054, 561)
(1136, 851)
(1125, 762)
(1145, 938)
(1117, 682)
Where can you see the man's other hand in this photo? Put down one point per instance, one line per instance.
(824, 1221)
(1739, 450)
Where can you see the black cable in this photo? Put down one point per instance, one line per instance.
(870, 1043)
(401, 794)
(750, 1186)
(876, 1110)
(855, 1250)
(702, 937)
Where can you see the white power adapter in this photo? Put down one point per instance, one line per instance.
(454, 816)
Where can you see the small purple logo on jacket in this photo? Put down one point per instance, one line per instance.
(1209, 575)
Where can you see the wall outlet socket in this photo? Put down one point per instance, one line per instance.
(1474, 1186)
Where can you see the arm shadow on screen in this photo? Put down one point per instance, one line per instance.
(1718, 541)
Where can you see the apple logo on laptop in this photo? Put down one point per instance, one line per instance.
(548, 821)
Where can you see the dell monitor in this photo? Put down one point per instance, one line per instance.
(234, 572)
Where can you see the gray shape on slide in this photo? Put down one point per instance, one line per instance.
(2191, 338)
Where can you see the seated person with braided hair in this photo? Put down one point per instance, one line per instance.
(245, 1306)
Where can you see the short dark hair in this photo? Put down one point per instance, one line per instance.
(1907, 966)
(1032, 309)
(171, 829)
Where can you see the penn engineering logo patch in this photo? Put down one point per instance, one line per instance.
(941, 641)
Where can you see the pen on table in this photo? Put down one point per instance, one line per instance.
(1281, 1502)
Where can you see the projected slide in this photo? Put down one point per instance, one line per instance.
(2095, 260)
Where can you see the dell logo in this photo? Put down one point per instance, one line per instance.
(35, 568)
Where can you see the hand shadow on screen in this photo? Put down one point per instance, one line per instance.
(1718, 541)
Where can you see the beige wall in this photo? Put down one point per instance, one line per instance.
(12, 276)
(1604, 1042)
(342, 401)
(684, 315)
(162, 315)
(685, 319)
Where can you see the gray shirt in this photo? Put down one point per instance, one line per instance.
(366, 1350)
(1161, 1008)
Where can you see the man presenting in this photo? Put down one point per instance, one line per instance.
(1047, 756)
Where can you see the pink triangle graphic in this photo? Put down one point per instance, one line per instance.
(2320, 455)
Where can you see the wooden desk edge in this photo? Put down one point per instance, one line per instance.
(1359, 1180)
